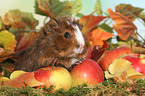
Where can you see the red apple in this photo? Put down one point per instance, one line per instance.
(138, 63)
(59, 77)
(109, 56)
(87, 72)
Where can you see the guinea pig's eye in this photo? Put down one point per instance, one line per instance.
(66, 35)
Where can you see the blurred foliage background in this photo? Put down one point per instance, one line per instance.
(87, 8)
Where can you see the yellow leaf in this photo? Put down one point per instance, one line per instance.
(131, 72)
(16, 74)
(119, 66)
(8, 40)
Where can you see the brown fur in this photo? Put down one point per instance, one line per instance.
(51, 44)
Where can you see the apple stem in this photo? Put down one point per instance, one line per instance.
(138, 54)
(54, 63)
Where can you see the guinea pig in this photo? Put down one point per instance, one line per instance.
(60, 41)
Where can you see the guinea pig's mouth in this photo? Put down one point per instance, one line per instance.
(77, 50)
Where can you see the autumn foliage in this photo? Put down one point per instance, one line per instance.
(18, 29)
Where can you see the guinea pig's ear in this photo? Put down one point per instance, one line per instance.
(50, 26)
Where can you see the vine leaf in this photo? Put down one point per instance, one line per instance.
(19, 21)
(55, 8)
(89, 22)
(7, 40)
(128, 10)
(124, 26)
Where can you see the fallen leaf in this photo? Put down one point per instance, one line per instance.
(3, 79)
(124, 26)
(109, 56)
(89, 22)
(26, 40)
(8, 40)
(21, 79)
(16, 74)
(121, 69)
(137, 77)
(118, 66)
(129, 11)
(5, 54)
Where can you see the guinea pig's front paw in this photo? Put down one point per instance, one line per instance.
(80, 61)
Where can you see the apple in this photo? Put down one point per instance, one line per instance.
(59, 77)
(138, 63)
(88, 72)
(109, 56)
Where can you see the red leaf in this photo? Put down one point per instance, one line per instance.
(90, 22)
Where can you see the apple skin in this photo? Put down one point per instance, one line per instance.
(137, 63)
(109, 56)
(59, 77)
(88, 72)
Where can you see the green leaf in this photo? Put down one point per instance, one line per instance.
(76, 6)
(106, 27)
(8, 40)
(51, 8)
(55, 8)
(37, 9)
(98, 7)
(20, 21)
(79, 15)
(128, 10)
(142, 16)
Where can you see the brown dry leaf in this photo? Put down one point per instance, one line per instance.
(5, 54)
(124, 26)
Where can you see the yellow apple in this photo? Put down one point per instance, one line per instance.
(59, 77)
